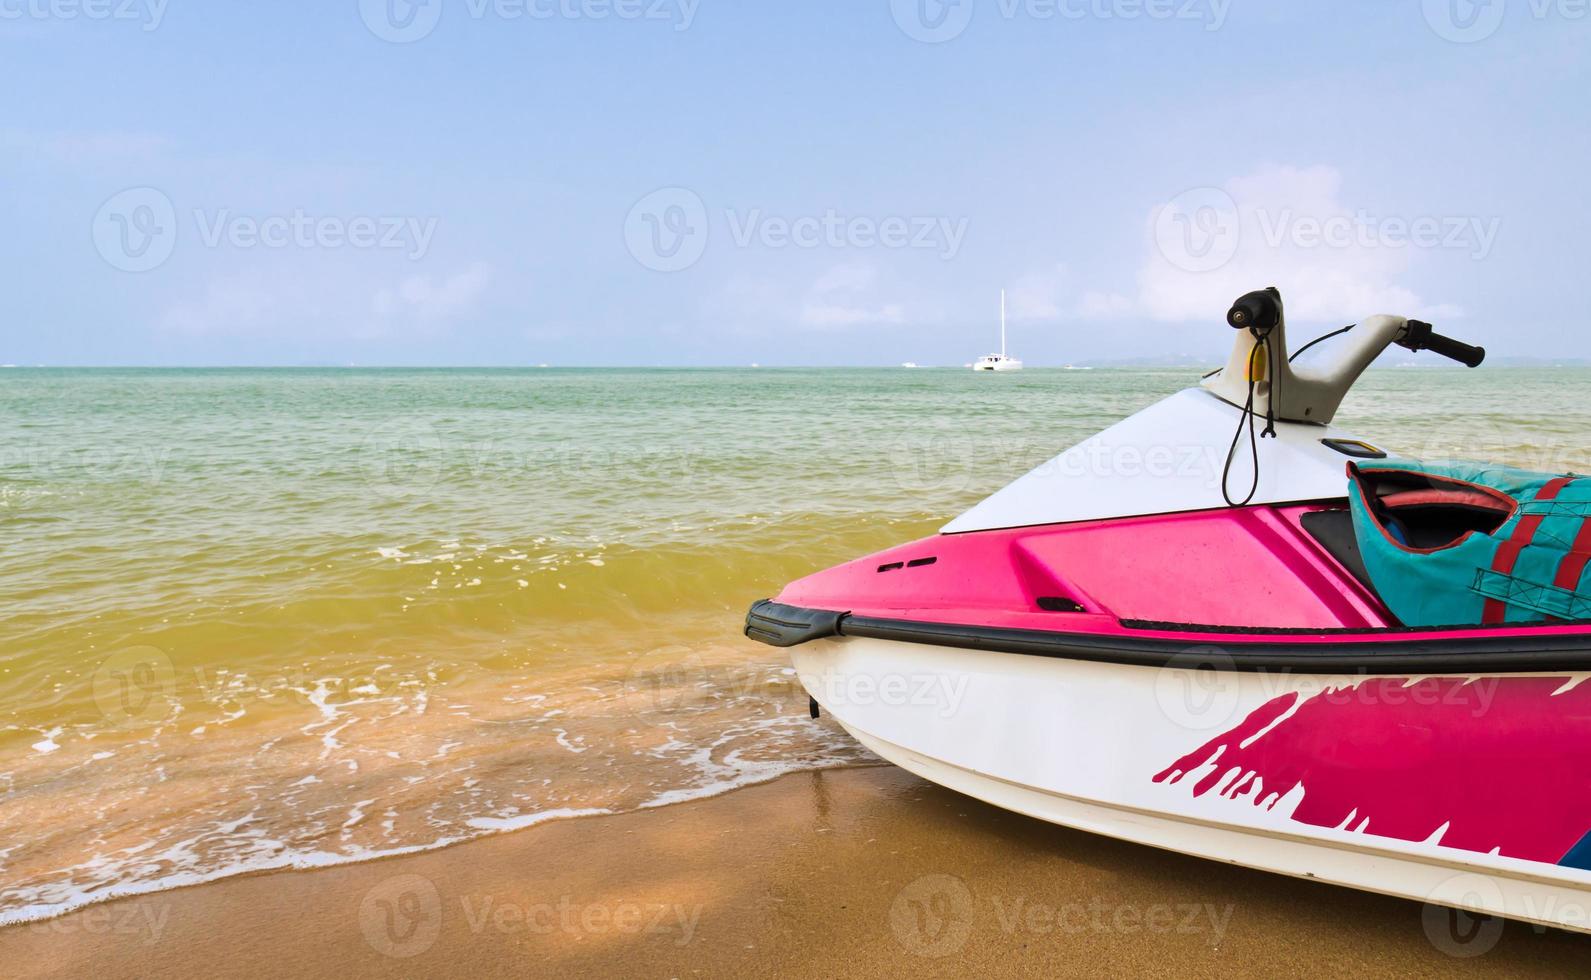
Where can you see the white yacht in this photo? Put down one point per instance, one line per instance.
(1001, 361)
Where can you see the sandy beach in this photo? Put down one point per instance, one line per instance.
(864, 872)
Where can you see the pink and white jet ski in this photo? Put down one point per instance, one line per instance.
(1167, 634)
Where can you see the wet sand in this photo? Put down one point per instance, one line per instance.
(864, 872)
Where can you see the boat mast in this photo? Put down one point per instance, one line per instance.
(1002, 324)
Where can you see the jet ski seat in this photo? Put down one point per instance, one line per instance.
(1437, 516)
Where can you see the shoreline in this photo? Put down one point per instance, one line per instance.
(861, 871)
(486, 827)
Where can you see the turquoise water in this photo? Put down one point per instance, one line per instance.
(268, 618)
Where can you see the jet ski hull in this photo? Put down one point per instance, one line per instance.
(1468, 790)
(1052, 670)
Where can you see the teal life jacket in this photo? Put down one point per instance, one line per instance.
(1458, 544)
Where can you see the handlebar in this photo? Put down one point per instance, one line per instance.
(1420, 336)
(1310, 394)
(1258, 312)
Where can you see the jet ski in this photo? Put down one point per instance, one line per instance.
(1228, 628)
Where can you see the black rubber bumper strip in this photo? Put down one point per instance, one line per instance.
(780, 625)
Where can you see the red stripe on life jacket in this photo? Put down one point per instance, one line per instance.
(1573, 565)
(1508, 554)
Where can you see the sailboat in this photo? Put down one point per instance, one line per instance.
(1001, 361)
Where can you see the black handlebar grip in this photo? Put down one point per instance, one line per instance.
(1258, 311)
(1418, 335)
(1456, 349)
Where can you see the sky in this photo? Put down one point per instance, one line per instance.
(821, 182)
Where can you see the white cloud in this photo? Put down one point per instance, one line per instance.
(845, 279)
(836, 300)
(292, 301)
(832, 315)
(754, 298)
(1281, 226)
(229, 306)
(1105, 306)
(424, 298)
(1048, 295)
(1037, 295)
(1209, 245)
(81, 147)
